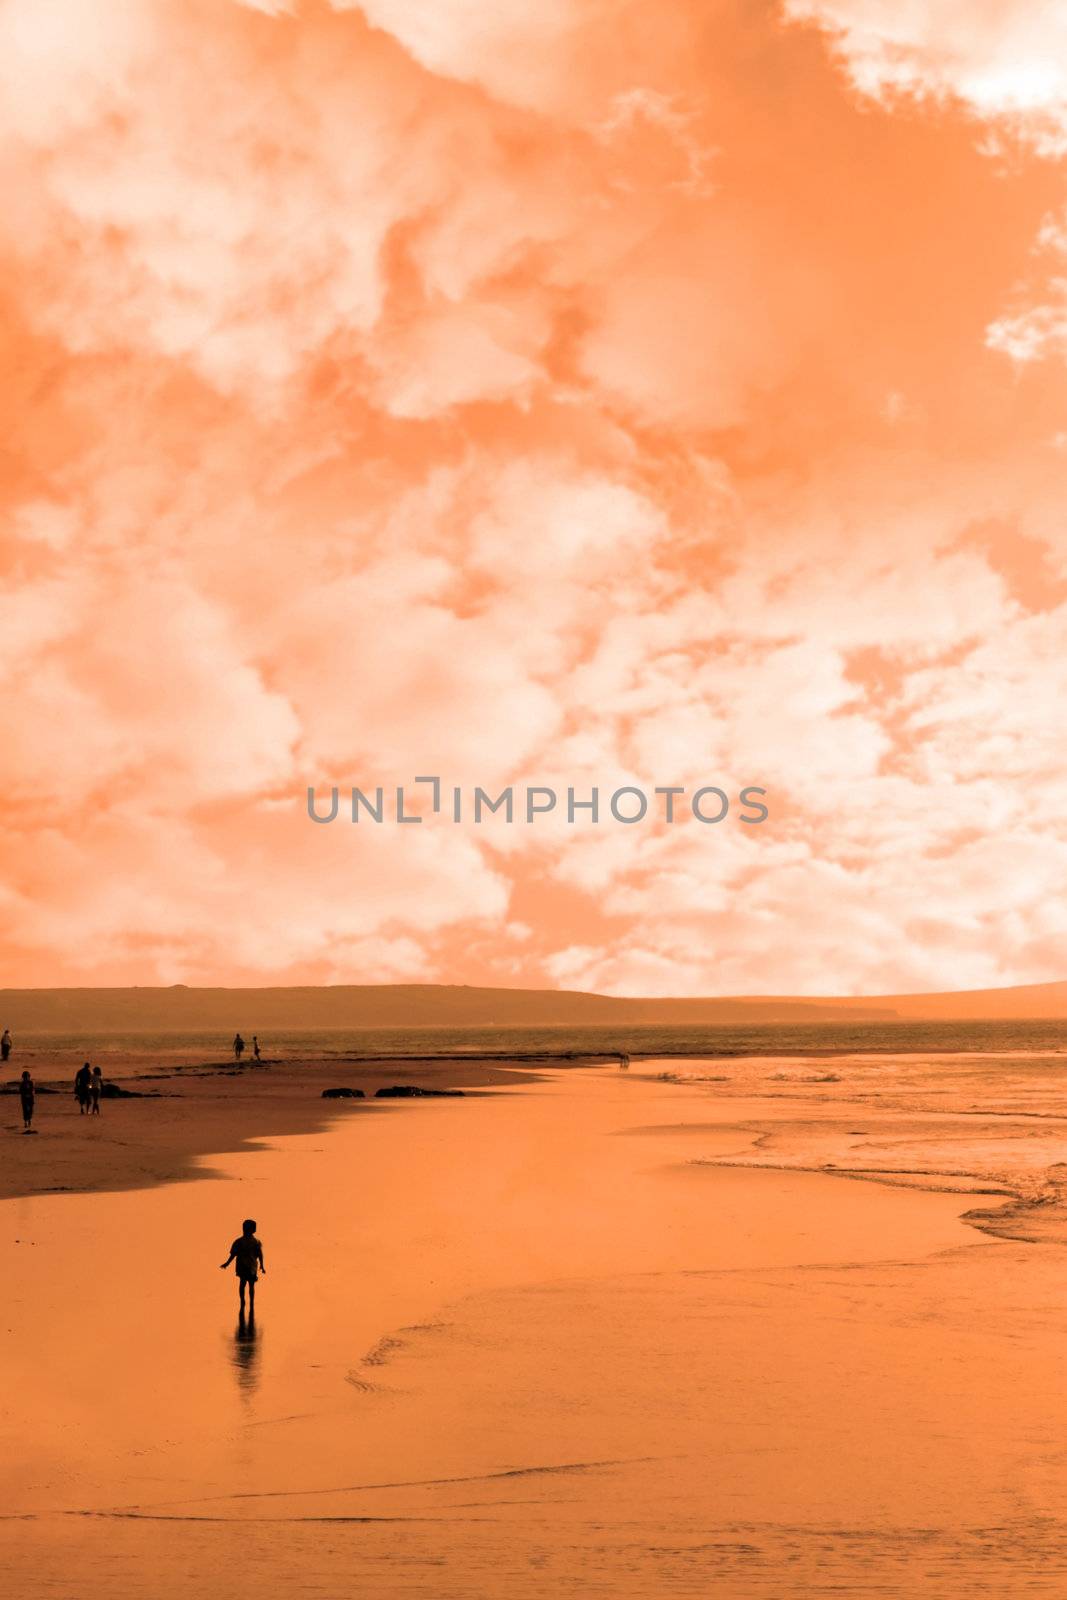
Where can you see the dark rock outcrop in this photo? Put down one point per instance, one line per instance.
(407, 1091)
(342, 1094)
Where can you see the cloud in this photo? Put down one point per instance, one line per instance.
(1035, 328)
(1036, 333)
(502, 393)
(512, 49)
(1003, 61)
(1006, 66)
(192, 723)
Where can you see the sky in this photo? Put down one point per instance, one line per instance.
(588, 392)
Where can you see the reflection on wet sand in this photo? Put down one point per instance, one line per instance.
(244, 1354)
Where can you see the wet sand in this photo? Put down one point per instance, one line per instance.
(181, 1113)
(559, 1337)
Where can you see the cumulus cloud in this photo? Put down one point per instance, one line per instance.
(1005, 65)
(1006, 60)
(512, 48)
(1035, 327)
(500, 392)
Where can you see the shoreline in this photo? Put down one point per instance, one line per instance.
(159, 1136)
(196, 1110)
(575, 1057)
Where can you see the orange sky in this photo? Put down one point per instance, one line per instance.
(590, 391)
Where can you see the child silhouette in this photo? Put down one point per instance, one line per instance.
(247, 1251)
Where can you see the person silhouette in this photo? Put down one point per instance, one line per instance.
(96, 1084)
(27, 1096)
(255, 1048)
(5, 1044)
(82, 1080)
(238, 1046)
(247, 1251)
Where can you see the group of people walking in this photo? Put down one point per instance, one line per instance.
(88, 1087)
(88, 1081)
(88, 1084)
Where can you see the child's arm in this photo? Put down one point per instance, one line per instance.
(262, 1263)
(229, 1258)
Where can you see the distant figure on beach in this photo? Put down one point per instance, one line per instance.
(96, 1083)
(26, 1095)
(248, 1254)
(624, 1060)
(82, 1079)
(238, 1046)
(255, 1048)
(5, 1044)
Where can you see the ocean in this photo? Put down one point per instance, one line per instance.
(1039, 1037)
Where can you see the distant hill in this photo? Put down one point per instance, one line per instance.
(351, 1006)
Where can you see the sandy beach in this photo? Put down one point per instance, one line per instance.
(581, 1331)
(178, 1114)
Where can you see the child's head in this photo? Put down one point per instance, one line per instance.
(249, 1225)
(96, 1072)
(25, 1077)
